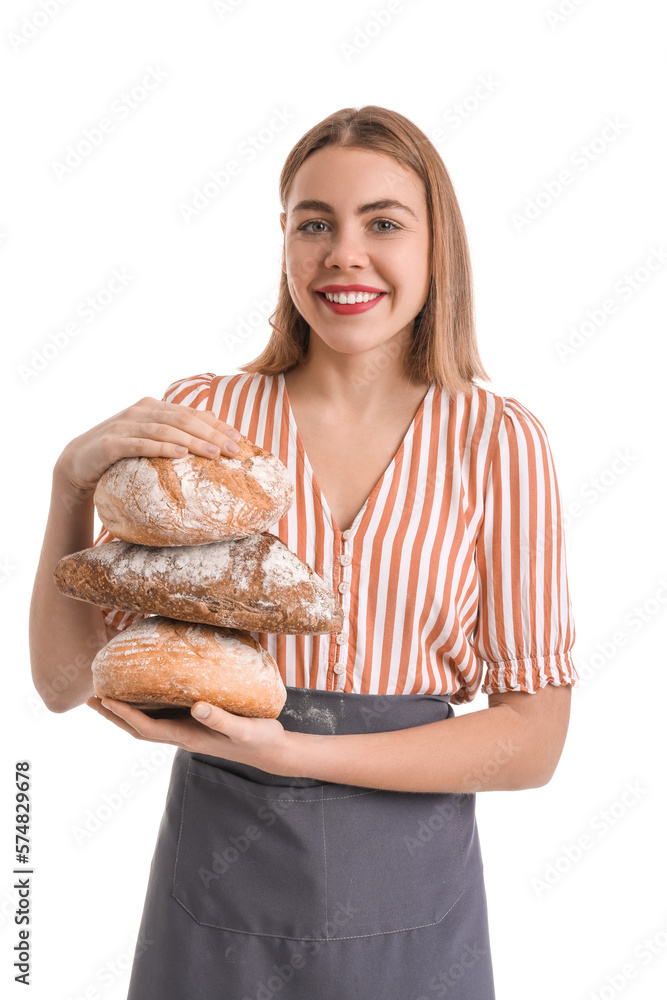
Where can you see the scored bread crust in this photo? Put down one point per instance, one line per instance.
(194, 500)
(160, 663)
(255, 583)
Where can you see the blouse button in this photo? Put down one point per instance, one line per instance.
(345, 560)
(338, 668)
(340, 639)
(343, 587)
(347, 533)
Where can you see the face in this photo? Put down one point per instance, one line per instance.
(356, 220)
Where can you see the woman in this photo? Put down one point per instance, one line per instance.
(333, 852)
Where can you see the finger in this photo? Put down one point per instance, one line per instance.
(112, 716)
(129, 713)
(186, 429)
(148, 728)
(179, 414)
(200, 423)
(209, 418)
(217, 718)
(158, 441)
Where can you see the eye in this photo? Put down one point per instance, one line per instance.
(390, 223)
(304, 227)
(313, 222)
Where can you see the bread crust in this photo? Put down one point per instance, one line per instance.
(161, 663)
(254, 583)
(194, 500)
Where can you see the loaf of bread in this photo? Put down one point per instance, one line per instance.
(254, 583)
(160, 663)
(194, 500)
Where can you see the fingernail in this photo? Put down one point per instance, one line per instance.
(233, 433)
(201, 711)
(232, 447)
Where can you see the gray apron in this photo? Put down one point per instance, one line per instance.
(265, 885)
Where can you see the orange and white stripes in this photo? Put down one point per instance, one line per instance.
(452, 576)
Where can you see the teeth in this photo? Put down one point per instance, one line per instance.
(350, 298)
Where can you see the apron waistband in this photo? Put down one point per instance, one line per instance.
(340, 713)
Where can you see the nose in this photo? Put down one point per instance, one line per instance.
(346, 248)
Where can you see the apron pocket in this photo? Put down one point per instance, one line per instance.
(395, 860)
(250, 857)
(319, 862)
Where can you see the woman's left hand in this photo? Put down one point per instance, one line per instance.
(259, 742)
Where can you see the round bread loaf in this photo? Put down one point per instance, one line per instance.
(194, 500)
(253, 583)
(159, 662)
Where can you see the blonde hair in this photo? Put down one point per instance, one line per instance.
(443, 348)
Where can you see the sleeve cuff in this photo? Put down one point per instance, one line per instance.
(530, 674)
(121, 619)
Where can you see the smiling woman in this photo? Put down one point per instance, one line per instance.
(342, 177)
(351, 235)
(335, 848)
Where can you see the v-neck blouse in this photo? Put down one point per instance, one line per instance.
(453, 575)
(309, 474)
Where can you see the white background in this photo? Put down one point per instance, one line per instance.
(552, 82)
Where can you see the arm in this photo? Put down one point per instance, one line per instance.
(65, 634)
(513, 744)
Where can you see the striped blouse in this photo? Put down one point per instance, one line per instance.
(453, 574)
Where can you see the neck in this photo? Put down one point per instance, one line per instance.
(357, 385)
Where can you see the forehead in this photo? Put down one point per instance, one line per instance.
(345, 177)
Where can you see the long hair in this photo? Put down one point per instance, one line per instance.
(443, 348)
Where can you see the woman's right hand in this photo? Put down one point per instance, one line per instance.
(149, 428)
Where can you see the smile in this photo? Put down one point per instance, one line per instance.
(347, 303)
(351, 297)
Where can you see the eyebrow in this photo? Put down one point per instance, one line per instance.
(314, 205)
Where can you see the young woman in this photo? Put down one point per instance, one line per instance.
(333, 852)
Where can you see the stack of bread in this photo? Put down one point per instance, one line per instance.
(192, 551)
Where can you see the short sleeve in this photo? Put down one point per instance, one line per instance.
(525, 627)
(193, 391)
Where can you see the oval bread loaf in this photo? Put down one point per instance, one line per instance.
(160, 663)
(194, 500)
(253, 583)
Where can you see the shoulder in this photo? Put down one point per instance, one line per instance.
(518, 449)
(509, 415)
(186, 390)
(200, 391)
